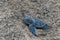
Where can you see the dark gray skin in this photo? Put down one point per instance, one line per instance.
(35, 23)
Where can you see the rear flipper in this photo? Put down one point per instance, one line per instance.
(46, 28)
(32, 29)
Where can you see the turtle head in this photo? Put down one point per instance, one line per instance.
(27, 19)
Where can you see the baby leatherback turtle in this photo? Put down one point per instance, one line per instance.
(35, 23)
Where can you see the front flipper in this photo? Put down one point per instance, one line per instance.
(32, 29)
